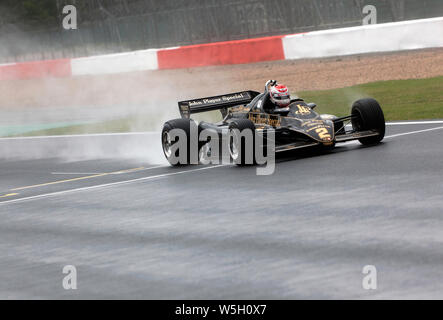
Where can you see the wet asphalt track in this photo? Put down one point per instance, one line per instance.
(224, 233)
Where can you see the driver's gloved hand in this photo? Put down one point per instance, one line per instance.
(271, 82)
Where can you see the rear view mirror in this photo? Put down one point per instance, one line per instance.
(312, 105)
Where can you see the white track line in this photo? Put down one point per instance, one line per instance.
(77, 173)
(115, 173)
(404, 123)
(108, 185)
(161, 175)
(393, 136)
(412, 132)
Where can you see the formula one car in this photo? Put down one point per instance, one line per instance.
(295, 127)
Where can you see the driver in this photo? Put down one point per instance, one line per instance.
(279, 97)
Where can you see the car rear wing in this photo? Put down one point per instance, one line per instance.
(187, 108)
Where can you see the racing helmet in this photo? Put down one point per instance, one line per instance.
(280, 96)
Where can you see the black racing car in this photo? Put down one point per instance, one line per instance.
(297, 126)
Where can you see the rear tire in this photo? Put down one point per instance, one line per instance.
(167, 143)
(368, 115)
(237, 144)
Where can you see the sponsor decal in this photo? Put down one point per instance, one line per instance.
(320, 126)
(195, 103)
(219, 100)
(303, 110)
(261, 118)
(312, 123)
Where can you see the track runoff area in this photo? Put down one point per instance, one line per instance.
(137, 229)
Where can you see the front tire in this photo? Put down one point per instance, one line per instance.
(368, 115)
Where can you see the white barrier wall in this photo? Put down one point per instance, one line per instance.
(116, 63)
(396, 36)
